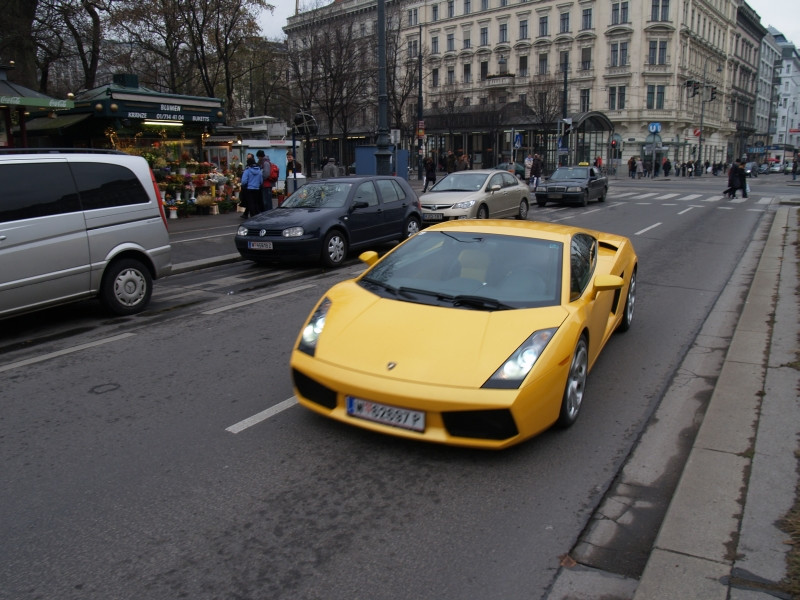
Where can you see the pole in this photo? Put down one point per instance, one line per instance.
(420, 155)
(564, 113)
(697, 172)
(382, 154)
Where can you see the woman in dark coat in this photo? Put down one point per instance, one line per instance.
(430, 174)
(733, 181)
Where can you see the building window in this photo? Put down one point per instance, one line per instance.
(612, 98)
(522, 68)
(451, 42)
(655, 96)
(503, 2)
(586, 22)
(483, 100)
(523, 29)
(662, 52)
(623, 54)
(484, 4)
(451, 75)
(564, 23)
(466, 101)
(543, 26)
(660, 10)
(657, 54)
(412, 16)
(614, 58)
(413, 48)
(523, 98)
(619, 13)
(564, 61)
(585, 100)
(543, 64)
(467, 73)
(503, 33)
(434, 77)
(586, 59)
(467, 6)
(451, 8)
(484, 69)
(621, 97)
(467, 39)
(484, 36)
(435, 12)
(435, 44)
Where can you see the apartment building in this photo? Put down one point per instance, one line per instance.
(785, 138)
(651, 78)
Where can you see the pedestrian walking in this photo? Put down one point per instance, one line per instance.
(667, 167)
(430, 174)
(632, 167)
(266, 180)
(330, 170)
(794, 169)
(450, 161)
(639, 168)
(528, 166)
(536, 171)
(251, 186)
(733, 181)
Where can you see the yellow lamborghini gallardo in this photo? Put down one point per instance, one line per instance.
(475, 333)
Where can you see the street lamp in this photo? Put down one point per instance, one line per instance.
(420, 155)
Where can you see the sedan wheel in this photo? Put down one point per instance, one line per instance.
(630, 302)
(576, 384)
(523, 210)
(411, 227)
(585, 199)
(334, 249)
(483, 212)
(602, 197)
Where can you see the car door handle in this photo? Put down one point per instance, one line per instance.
(2, 238)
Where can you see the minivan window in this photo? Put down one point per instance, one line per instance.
(103, 185)
(36, 190)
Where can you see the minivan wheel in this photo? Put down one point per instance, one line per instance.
(127, 287)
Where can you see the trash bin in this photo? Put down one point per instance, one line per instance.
(293, 182)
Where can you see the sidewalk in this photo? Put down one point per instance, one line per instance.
(719, 538)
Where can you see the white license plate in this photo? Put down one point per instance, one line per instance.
(259, 245)
(555, 196)
(431, 216)
(387, 415)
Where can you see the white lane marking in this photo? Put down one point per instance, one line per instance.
(643, 196)
(262, 416)
(299, 288)
(712, 199)
(622, 195)
(764, 201)
(646, 229)
(689, 197)
(684, 211)
(737, 200)
(205, 237)
(78, 348)
(666, 196)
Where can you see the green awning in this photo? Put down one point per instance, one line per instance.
(59, 122)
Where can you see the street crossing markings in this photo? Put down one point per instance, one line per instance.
(299, 288)
(765, 201)
(615, 195)
(646, 229)
(262, 416)
(78, 348)
(643, 196)
(667, 196)
(689, 197)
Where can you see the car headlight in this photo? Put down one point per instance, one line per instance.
(575, 189)
(540, 188)
(519, 364)
(292, 232)
(464, 205)
(313, 329)
(242, 230)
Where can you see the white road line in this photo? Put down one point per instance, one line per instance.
(205, 237)
(624, 194)
(643, 196)
(687, 210)
(44, 357)
(666, 196)
(646, 229)
(712, 199)
(738, 200)
(262, 416)
(215, 311)
(765, 201)
(689, 197)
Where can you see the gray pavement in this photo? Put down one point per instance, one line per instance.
(720, 537)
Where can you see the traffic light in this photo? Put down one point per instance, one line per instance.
(690, 87)
(695, 88)
(713, 92)
(613, 144)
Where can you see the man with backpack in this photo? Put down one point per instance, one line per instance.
(269, 173)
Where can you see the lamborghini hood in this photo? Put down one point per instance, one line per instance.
(432, 344)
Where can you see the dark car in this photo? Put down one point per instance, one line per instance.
(326, 218)
(573, 184)
(751, 169)
(518, 169)
(763, 169)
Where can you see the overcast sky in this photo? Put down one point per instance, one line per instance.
(784, 15)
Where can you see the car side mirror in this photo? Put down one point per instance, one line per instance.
(494, 188)
(370, 257)
(359, 204)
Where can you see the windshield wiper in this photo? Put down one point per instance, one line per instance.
(481, 302)
(380, 284)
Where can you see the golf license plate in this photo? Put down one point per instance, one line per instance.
(431, 216)
(259, 245)
(387, 415)
(555, 196)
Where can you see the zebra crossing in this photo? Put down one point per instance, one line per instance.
(677, 197)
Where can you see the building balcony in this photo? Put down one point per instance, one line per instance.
(494, 81)
(657, 68)
(619, 69)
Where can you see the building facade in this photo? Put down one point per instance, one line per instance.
(607, 78)
(786, 133)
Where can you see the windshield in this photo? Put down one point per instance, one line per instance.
(460, 182)
(319, 195)
(570, 173)
(473, 271)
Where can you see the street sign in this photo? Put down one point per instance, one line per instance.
(518, 141)
(696, 133)
(654, 128)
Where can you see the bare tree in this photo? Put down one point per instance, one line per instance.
(17, 44)
(545, 99)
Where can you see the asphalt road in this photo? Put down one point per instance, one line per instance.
(122, 476)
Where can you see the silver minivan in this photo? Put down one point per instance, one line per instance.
(78, 224)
